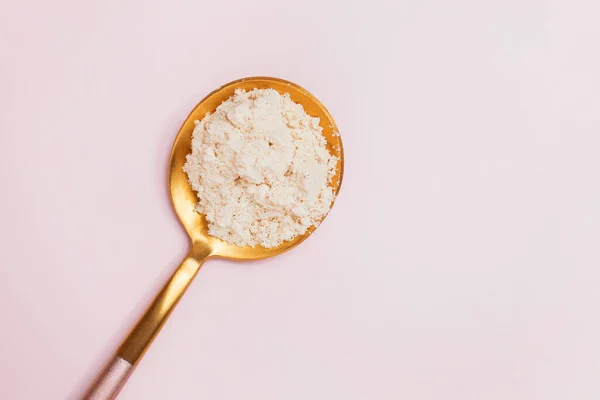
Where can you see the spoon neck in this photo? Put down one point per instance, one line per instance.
(200, 251)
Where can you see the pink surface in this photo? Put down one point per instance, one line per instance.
(460, 262)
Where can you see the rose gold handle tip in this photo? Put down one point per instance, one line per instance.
(109, 385)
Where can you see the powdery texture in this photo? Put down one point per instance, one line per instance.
(261, 169)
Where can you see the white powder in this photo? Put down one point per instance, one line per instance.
(261, 169)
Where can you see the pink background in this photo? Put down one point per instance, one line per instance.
(460, 262)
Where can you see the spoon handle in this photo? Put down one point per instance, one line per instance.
(110, 383)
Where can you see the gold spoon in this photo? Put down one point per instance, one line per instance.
(203, 246)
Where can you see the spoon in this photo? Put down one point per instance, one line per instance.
(202, 245)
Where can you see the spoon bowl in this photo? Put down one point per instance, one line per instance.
(204, 246)
(183, 197)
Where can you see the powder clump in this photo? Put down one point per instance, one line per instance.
(261, 170)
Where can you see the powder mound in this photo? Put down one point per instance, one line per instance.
(260, 167)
